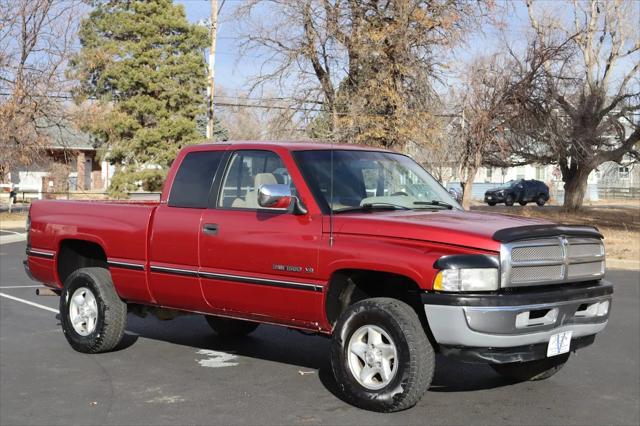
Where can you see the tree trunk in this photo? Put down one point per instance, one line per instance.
(575, 187)
(467, 186)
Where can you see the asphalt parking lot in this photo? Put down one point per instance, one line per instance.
(178, 372)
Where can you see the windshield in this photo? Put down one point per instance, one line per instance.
(509, 184)
(369, 178)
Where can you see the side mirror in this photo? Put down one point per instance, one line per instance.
(455, 194)
(275, 197)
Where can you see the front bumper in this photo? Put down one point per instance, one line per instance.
(516, 326)
(494, 198)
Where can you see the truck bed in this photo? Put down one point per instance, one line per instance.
(120, 227)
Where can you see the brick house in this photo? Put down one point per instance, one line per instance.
(69, 163)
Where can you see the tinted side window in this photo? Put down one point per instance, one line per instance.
(194, 178)
(248, 170)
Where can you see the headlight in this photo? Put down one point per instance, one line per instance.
(467, 279)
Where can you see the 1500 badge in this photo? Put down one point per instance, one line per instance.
(291, 268)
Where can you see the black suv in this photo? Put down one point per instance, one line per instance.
(521, 191)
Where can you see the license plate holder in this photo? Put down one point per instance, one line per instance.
(559, 343)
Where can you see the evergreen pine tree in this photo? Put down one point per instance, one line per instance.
(144, 63)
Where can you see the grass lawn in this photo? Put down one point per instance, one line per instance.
(619, 223)
(12, 220)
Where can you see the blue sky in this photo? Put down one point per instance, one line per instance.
(233, 70)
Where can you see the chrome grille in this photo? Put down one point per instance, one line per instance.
(525, 274)
(585, 250)
(586, 270)
(551, 261)
(526, 253)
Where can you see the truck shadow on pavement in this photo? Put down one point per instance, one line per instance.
(281, 345)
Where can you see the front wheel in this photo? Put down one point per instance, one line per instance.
(491, 203)
(380, 355)
(522, 203)
(539, 369)
(541, 200)
(92, 315)
(509, 200)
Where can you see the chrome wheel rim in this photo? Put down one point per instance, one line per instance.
(372, 357)
(83, 311)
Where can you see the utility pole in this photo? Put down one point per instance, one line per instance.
(212, 64)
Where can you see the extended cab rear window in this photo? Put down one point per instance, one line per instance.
(193, 181)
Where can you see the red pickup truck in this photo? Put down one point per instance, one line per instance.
(355, 243)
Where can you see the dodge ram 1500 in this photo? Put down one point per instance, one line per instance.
(359, 244)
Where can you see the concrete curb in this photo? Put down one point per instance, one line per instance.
(629, 265)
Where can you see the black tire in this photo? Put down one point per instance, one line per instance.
(541, 200)
(491, 203)
(539, 369)
(522, 203)
(111, 311)
(509, 200)
(415, 355)
(229, 327)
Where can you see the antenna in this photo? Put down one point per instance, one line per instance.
(331, 200)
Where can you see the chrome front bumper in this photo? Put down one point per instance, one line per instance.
(516, 320)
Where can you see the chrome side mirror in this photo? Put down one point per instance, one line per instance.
(275, 197)
(455, 194)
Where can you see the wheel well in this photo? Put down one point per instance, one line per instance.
(76, 254)
(349, 286)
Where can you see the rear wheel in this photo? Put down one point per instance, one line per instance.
(539, 369)
(541, 200)
(92, 315)
(522, 203)
(380, 355)
(509, 200)
(229, 327)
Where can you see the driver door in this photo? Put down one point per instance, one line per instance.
(254, 262)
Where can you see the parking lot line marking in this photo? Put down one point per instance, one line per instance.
(216, 359)
(20, 286)
(11, 232)
(37, 305)
(12, 238)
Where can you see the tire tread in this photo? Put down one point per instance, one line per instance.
(115, 311)
(422, 359)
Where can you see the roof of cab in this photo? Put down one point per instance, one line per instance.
(297, 145)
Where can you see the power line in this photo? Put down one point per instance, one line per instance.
(238, 104)
(249, 98)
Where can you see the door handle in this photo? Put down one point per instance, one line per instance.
(210, 228)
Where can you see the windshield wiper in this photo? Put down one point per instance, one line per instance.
(435, 203)
(367, 207)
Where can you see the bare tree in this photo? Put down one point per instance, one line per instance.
(582, 105)
(36, 39)
(486, 97)
(268, 118)
(369, 66)
(441, 156)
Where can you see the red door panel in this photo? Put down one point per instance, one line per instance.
(262, 263)
(173, 257)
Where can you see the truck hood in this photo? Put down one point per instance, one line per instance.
(451, 227)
